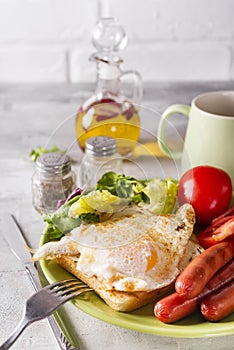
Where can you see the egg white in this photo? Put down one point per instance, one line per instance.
(135, 251)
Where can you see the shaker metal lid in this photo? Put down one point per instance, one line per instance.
(54, 163)
(101, 146)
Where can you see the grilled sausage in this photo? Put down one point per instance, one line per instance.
(174, 307)
(196, 275)
(219, 304)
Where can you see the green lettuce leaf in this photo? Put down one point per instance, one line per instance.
(123, 186)
(162, 195)
(59, 223)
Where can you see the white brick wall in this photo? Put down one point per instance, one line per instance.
(50, 40)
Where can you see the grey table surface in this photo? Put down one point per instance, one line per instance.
(44, 115)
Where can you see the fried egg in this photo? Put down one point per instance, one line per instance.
(132, 251)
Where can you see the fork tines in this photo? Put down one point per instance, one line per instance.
(69, 288)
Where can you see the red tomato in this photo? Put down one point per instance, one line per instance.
(208, 190)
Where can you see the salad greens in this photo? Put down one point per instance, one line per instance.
(59, 222)
(35, 153)
(112, 193)
(124, 187)
(101, 202)
(162, 195)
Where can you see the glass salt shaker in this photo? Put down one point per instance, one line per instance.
(100, 157)
(52, 181)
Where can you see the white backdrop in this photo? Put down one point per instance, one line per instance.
(169, 40)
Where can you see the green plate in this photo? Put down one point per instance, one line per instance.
(141, 320)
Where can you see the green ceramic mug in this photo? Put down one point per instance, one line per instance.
(209, 136)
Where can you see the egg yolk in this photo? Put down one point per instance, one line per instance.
(151, 259)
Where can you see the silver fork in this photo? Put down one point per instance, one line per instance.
(43, 303)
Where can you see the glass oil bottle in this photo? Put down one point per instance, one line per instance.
(109, 112)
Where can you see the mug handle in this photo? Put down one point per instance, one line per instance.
(177, 108)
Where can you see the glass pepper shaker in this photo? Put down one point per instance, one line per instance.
(100, 157)
(52, 181)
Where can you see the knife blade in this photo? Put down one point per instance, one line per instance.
(17, 243)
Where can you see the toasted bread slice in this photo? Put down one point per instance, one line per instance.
(117, 300)
(127, 301)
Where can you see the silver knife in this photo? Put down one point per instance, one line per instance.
(17, 242)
